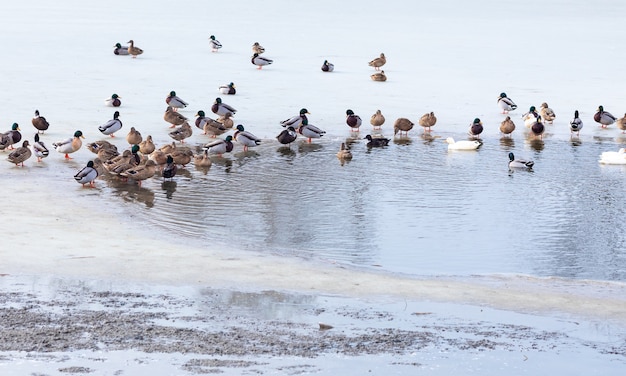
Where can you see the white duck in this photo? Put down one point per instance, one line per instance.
(463, 144)
(613, 157)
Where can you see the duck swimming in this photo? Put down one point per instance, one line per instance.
(463, 144)
(519, 163)
(373, 142)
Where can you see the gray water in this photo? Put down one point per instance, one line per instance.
(412, 207)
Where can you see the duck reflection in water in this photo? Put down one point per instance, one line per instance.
(507, 142)
(169, 187)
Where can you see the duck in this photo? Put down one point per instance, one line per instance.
(344, 152)
(327, 67)
(147, 146)
(613, 157)
(226, 120)
(257, 48)
(576, 124)
(99, 145)
(99, 166)
(530, 117)
(220, 147)
(605, 118)
(621, 124)
(402, 125)
(182, 156)
(310, 131)
(40, 149)
(169, 171)
(106, 154)
(120, 50)
(353, 120)
(87, 175)
(546, 113)
(214, 43)
(378, 62)
(463, 144)
(168, 148)
(175, 101)
(246, 138)
(40, 122)
(141, 172)
(209, 126)
(111, 126)
(507, 126)
(114, 101)
(260, 61)
(10, 137)
(295, 121)
(159, 157)
(203, 159)
(228, 89)
(376, 141)
(21, 154)
(220, 108)
(506, 104)
(173, 117)
(379, 76)
(428, 121)
(123, 159)
(538, 128)
(129, 160)
(69, 145)
(287, 135)
(182, 132)
(476, 128)
(519, 163)
(377, 120)
(133, 50)
(134, 136)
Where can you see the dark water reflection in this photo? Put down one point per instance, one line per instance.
(410, 207)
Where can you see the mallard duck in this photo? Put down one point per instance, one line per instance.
(175, 101)
(202, 160)
(344, 152)
(182, 156)
(114, 101)
(353, 120)
(377, 120)
(328, 67)
(21, 154)
(260, 61)
(605, 118)
(87, 175)
(378, 62)
(220, 147)
(310, 131)
(257, 48)
(169, 171)
(226, 120)
(119, 50)
(168, 148)
(476, 128)
(379, 76)
(141, 172)
(202, 119)
(576, 124)
(621, 124)
(69, 145)
(463, 144)
(295, 121)
(376, 141)
(613, 157)
(287, 136)
(214, 43)
(147, 146)
(111, 126)
(506, 104)
(519, 163)
(132, 50)
(402, 125)
(10, 137)
(211, 127)
(134, 136)
(507, 126)
(228, 89)
(530, 117)
(246, 138)
(40, 122)
(220, 108)
(129, 161)
(428, 120)
(538, 128)
(173, 117)
(546, 113)
(40, 149)
(96, 146)
(182, 132)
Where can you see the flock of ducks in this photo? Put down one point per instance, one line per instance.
(143, 159)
